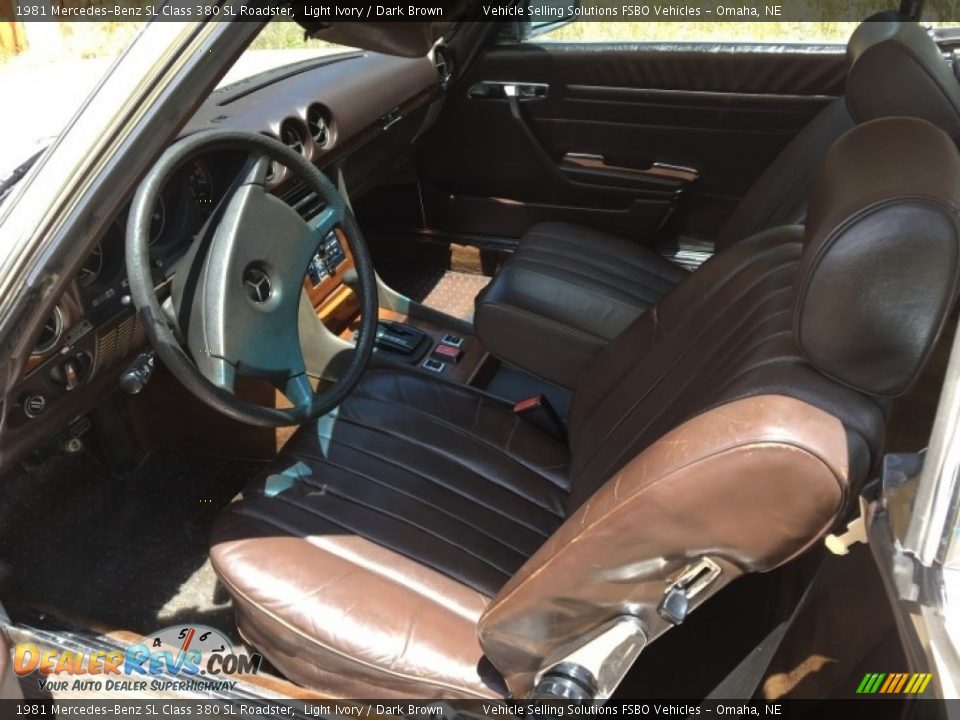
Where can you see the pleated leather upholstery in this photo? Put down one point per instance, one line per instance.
(390, 532)
(416, 494)
(571, 289)
(725, 334)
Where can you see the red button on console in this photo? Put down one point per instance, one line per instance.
(447, 353)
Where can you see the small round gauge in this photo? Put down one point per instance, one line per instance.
(200, 183)
(190, 637)
(50, 335)
(158, 220)
(191, 650)
(92, 268)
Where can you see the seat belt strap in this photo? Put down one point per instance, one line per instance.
(744, 680)
(538, 410)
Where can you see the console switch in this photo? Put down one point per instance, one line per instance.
(326, 260)
(447, 353)
(332, 251)
(433, 365)
(453, 340)
(316, 271)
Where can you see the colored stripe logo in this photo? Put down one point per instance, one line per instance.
(894, 683)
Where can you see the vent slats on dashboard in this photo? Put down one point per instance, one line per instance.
(305, 201)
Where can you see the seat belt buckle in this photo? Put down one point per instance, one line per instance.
(537, 410)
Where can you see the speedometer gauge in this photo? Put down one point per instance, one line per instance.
(200, 183)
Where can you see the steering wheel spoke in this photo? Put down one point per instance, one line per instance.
(218, 371)
(237, 293)
(326, 221)
(298, 389)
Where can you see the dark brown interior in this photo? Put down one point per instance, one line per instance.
(640, 157)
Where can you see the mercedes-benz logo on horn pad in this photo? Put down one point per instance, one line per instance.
(257, 284)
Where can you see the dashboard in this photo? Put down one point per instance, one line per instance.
(356, 116)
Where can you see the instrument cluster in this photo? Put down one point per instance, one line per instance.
(183, 207)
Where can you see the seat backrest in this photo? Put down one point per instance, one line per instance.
(894, 69)
(897, 70)
(737, 419)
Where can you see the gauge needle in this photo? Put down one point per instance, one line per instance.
(186, 644)
(188, 640)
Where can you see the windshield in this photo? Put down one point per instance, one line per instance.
(281, 42)
(51, 68)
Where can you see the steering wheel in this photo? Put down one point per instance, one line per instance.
(236, 293)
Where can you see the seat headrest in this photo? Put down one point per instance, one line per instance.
(879, 271)
(896, 69)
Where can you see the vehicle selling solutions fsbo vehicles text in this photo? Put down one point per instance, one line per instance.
(634, 11)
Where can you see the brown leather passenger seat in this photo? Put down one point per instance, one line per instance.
(573, 289)
(423, 540)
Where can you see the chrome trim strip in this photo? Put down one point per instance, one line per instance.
(937, 504)
(668, 93)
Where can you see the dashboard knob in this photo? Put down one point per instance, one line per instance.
(131, 382)
(71, 373)
(34, 405)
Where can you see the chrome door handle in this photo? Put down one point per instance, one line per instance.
(504, 90)
(591, 161)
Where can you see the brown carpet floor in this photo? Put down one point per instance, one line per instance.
(448, 291)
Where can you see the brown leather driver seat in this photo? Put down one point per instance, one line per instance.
(424, 541)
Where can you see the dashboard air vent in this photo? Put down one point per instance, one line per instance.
(275, 171)
(291, 135)
(318, 125)
(305, 201)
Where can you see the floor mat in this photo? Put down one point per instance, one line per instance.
(448, 291)
(126, 551)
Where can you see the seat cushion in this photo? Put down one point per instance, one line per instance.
(567, 292)
(361, 560)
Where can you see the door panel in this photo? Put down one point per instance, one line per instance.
(496, 164)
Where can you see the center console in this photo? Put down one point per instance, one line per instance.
(426, 344)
